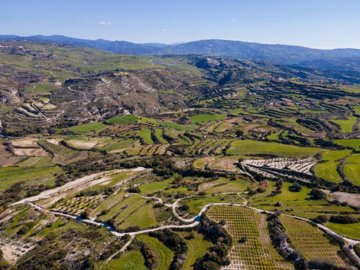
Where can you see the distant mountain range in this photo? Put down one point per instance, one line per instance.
(338, 59)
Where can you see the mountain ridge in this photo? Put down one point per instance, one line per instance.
(333, 59)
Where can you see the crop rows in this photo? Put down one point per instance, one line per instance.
(285, 167)
(148, 150)
(311, 242)
(209, 146)
(256, 251)
(79, 205)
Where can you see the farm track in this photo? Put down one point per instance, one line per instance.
(191, 222)
(194, 221)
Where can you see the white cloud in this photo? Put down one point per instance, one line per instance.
(104, 23)
(233, 20)
(164, 30)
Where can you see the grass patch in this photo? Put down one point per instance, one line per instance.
(203, 117)
(145, 134)
(155, 186)
(348, 230)
(118, 145)
(163, 253)
(297, 203)
(224, 185)
(143, 217)
(250, 147)
(123, 120)
(87, 128)
(197, 248)
(196, 204)
(132, 260)
(353, 143)
(32, 176)
(352, 169)
(328, 171)
(346, 125)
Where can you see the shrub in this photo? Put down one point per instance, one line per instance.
(343, 219)
(316, 194)
(296, 187)
(133, 189)
(320, 219)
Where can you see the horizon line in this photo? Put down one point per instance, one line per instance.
(182, 42)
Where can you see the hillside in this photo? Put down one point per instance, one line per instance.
(338, 59)
(191, 162)
(48, 85)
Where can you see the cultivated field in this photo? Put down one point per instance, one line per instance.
(257, 253)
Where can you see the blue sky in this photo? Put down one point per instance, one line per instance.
(311, 23)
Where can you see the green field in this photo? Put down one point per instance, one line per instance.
(155, 186)
(353, 143)
(202, 118)
(87, 128)
(163, 254)
(296, 203)
(328, 171)
(145, 134)
(223, 185)
(241, 137)
(129, 212)
(351, 89)
(196, 204)
(159, 136)
(357, 109)
(132, 260)
(31, 176)
(346, 125)
(331, 155)
(246, 147)
(348, 230)
(351, 169)
(116, 145)
(197, 248)
(123, 120)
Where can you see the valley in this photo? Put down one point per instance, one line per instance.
(113, 161)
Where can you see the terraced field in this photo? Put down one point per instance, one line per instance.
(112, 162)
(132, 211)
(208, 146)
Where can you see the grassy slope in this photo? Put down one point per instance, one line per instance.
(351, 169)
(353, 143)
(349, 230)
(132, 260)
(245, 147)
(33, 175)
(346, 125)
(163, 253)
(328, 171)
(197, 248)
(296, 203)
